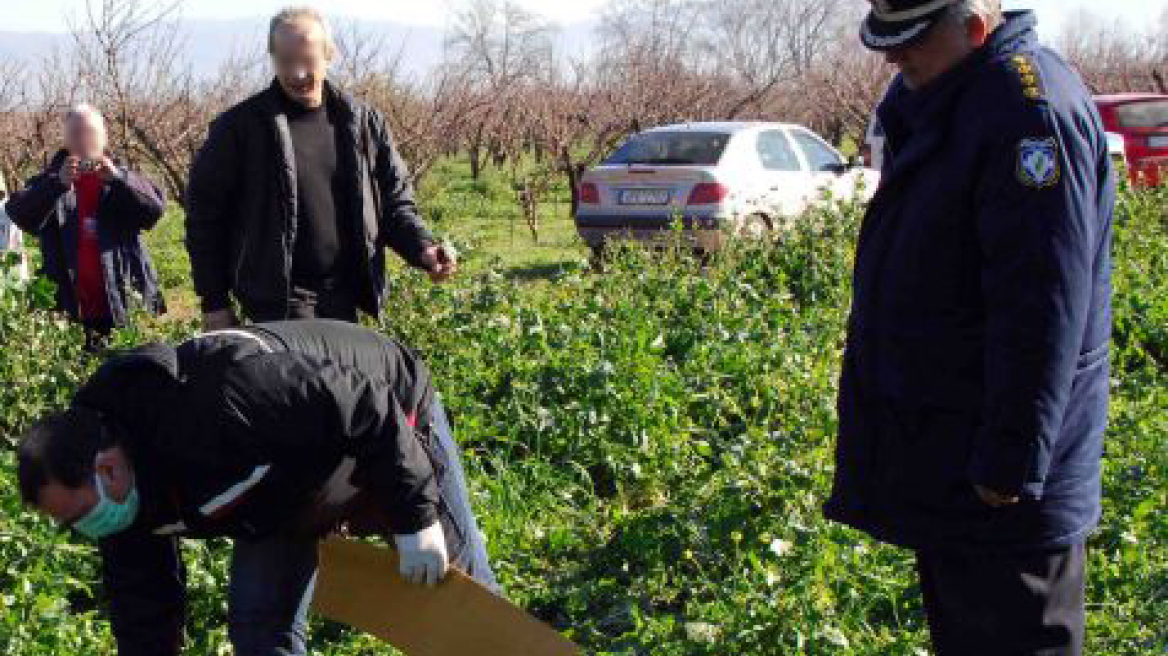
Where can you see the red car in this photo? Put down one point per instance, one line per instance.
(1142, 120)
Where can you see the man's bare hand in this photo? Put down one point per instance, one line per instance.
(70, 169)
(441, 262)
(994, 498)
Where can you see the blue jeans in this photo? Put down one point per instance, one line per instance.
(272, 580)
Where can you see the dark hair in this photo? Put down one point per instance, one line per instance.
(60, 448)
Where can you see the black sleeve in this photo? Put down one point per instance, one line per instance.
(137, 202)
(303, 407)
(145, 582)
(31, 207)
(210, 214)
(401, 227)
(150, 370)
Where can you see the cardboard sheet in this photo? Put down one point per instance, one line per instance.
(358, 584)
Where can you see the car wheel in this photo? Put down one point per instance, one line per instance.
(756, 226)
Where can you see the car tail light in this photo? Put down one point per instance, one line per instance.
(708, 193)
(589, 194)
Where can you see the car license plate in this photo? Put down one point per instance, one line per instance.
(1158, 141)
(644, 197)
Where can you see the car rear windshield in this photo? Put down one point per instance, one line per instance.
(1147, 114)
(672, 149)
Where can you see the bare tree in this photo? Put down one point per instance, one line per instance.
(426, 114)
(499, 43)
(766, 45)
(1111, 56)
(128, 52)
(498, 49)
(840, 94)
(12, 92)
(503, 95)
(32, 133)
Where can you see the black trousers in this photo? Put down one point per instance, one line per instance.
(330, 299)
(1009, 604)
(97, 333)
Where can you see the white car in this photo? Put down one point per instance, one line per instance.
(714, 178)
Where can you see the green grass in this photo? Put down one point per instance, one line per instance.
(647, 448)
(483, 219)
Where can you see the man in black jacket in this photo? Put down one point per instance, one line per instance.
(274, 435)
(297, 192)
(89, 212)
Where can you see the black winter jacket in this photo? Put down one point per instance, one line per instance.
(236, 433)
(242, 210)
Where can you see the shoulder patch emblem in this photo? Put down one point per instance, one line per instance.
(1038, 162)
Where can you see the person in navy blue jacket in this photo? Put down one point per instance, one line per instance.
(88, 211)
(974, 388)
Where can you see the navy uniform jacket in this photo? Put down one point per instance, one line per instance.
(977, 346)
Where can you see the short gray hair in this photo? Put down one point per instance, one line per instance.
(962, 10)
(291, 15)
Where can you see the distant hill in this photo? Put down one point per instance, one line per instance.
(210, 42)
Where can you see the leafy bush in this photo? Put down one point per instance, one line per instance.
(648, 449)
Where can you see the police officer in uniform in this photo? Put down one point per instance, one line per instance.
(973, 394)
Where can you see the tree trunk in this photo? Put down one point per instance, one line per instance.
(572, 171)
(476, 162)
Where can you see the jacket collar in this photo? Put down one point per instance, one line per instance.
(919, 113)
(1014, 34)
(150, 375)
(338, 101)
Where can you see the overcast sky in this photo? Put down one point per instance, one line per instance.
(50, 15)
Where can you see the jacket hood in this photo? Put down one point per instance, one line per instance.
(134, 391)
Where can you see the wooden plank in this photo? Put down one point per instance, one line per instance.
(358, 584)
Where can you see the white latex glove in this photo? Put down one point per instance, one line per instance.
(423, 556)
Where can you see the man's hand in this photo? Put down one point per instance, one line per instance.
(219, 320)
(70, 169)
(423, 556)
(994, 498)
(440, 262)
(106, 169)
